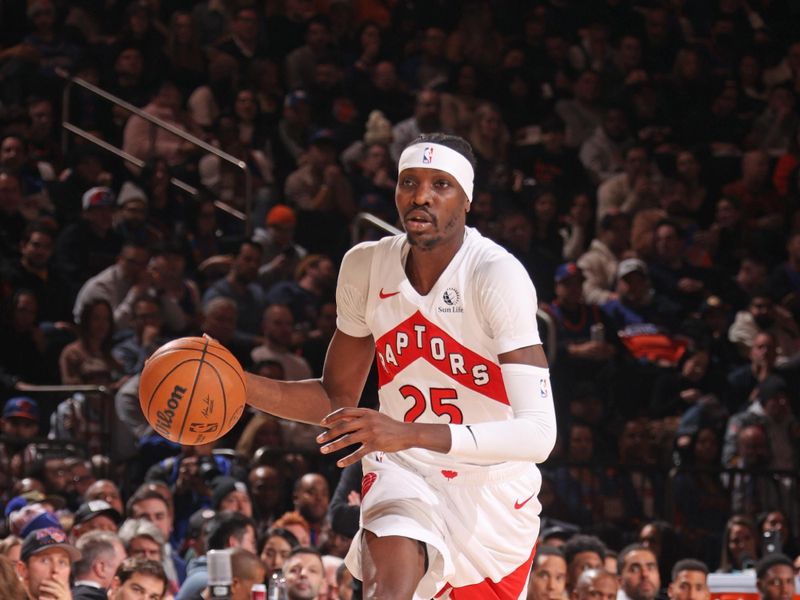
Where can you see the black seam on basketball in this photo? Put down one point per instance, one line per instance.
(224, 399)
(158, 385)
(237, 367)
(194, 388)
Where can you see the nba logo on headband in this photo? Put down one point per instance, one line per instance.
(427, 156)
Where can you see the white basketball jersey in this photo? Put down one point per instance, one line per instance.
(437, 355)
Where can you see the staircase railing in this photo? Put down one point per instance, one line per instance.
(155, 123)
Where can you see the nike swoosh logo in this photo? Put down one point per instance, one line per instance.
(382, 295)
(519, 504)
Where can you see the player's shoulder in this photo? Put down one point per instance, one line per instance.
(488, 257)
(362, 254)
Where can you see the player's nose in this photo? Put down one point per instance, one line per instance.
(422, 195)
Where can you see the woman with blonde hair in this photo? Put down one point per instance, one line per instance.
(10, 548)
(9, 581)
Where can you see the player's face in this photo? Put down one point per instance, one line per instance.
(548, 579)
(431, 205)
(689, 585)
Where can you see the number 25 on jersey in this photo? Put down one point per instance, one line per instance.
(439, 402)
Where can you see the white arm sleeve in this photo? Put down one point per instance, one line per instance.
(530, 435)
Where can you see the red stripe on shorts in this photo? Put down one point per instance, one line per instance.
(508, 588)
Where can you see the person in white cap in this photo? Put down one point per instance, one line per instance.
(466, 410)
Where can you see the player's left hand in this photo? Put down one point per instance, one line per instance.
(374, 431)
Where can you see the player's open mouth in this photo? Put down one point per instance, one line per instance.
(418, 220)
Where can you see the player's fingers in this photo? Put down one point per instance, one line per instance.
(341, 442)
(337, 430)
(353, 457)
(340, 414)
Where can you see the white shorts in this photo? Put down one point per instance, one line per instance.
(479, 524)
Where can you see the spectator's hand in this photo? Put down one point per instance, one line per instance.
(53, 589)
(689, 286)
(371, 430)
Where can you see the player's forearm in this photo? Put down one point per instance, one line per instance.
(530, 435)
(304, 401)
(430, 436)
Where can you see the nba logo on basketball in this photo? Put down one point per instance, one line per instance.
(427, 156)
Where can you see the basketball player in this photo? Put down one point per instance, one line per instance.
(449, 494)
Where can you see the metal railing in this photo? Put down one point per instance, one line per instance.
(97, 432)
(154, 122)
(364, 219)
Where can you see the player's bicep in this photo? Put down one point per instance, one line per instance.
(529, 355)
(507, 304)
(346, 368)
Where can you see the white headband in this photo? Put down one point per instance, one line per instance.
(436, 156)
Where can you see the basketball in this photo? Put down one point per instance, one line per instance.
(192, 390)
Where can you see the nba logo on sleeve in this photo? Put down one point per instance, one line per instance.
(427, 156)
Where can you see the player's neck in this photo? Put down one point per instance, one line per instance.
(424, 266)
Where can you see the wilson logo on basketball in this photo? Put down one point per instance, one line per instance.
(164, 418)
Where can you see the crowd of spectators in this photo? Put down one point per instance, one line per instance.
(641, 158)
